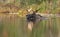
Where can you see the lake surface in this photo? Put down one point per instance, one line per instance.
(15, 26)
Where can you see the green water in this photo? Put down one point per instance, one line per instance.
(17, 27)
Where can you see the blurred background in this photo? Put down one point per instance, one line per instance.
(15, 25)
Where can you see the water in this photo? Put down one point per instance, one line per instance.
(15, 26)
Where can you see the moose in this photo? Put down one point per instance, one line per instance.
(33, 18)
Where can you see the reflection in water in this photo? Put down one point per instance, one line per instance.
(30, 26)
(15, 26)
